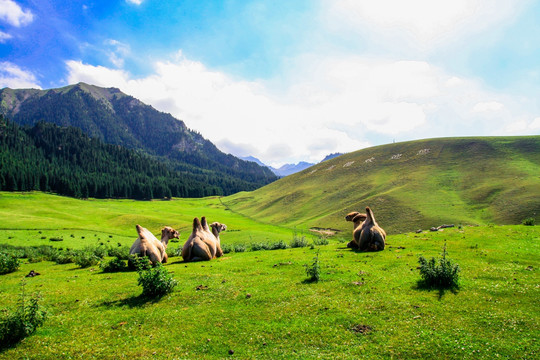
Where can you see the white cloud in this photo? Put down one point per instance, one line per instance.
(326, 105)
(4, 37)
(420, 23)
(14, 77)
(13, 14)
(135, 2)
(117, 52)
(535, 124)
(490, 106)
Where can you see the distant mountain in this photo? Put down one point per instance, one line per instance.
(254, 159)
(331, 156)
(289, 169)
(115, 118)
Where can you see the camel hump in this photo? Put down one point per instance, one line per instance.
(196, 224)
(139, 228)
(369, 215)
(204, 223)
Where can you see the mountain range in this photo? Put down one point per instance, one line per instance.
(115, 118)
(289, 169)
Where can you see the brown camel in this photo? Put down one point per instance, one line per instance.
(357, 219)
(203, 243)
(372, 236)
(148, 245)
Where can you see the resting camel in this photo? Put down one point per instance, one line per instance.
(147, 244)
(203, 244)
(358, 220)
(372, 236)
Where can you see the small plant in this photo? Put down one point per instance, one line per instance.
(121, 252)
(114, 265)
(89, 256)
(298, 242)
(227, 248)
(156, 281)
(321, 240)
(24, 321)
(8, 263)
(56, 239)
(528, 221)
(171, 252)
(139, 263)
(239, 248)
(313, 271)
(439, 273)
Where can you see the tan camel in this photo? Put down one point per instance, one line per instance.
(148, 245)
(372, 236)
(357, 219)
(203, 244)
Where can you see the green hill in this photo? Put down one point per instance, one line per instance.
(409, 185)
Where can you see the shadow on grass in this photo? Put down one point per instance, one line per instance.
(423, 286)
(132, 301)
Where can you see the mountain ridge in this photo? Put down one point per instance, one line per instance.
(120, 119)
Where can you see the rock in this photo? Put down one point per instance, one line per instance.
(231, 352)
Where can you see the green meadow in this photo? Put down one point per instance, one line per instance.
(258, 304)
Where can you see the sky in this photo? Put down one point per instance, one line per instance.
(295, 80)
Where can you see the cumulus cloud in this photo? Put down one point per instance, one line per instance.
(117, 51)
(326, 105)
(420, 23)
(13, 14)
(14, 77)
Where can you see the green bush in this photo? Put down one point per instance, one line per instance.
(86, 258)
(114, 265)
(8, 263)
(156, 281)
(239, 248)
(172, 252)
(298, 242)
(313, 271)
(439, 273)
(139, 263)
(320, 241)
(227, 248)
(529, 221)
(23, 322)
(121, 252)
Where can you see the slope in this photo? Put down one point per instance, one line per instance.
(116, 118)
(409, 185)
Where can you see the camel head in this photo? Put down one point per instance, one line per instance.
(168, 233)
(217, 228)
(350, 216)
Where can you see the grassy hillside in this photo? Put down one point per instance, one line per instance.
(409, 185)
(33, 218)
(258, 304)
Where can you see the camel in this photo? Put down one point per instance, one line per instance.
(148, 245)
(357, 219)
(372, 236)
(203, 243)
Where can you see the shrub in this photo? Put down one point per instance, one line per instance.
(156, 281)
(279, 245)
(56, 239)
(8, 263)
(529, 221)
(28, 316)
(121, 252)
(239, 248)
(65, 257)
(114, 265)
(139, 263)
(86, 258)
(313, 271)
(298, 242)
(227, 248)
(439, 273)
(256, 246)
(321, 240)
(171, 252)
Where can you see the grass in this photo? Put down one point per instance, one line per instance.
(366, 305)
(469, 181)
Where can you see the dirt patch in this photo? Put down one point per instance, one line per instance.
(323, 231)
(362, 329)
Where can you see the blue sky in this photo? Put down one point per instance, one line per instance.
(287, 81)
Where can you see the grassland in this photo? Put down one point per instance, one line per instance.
(259, 305)
(411, 185)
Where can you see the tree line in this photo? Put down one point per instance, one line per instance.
(64, 160)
